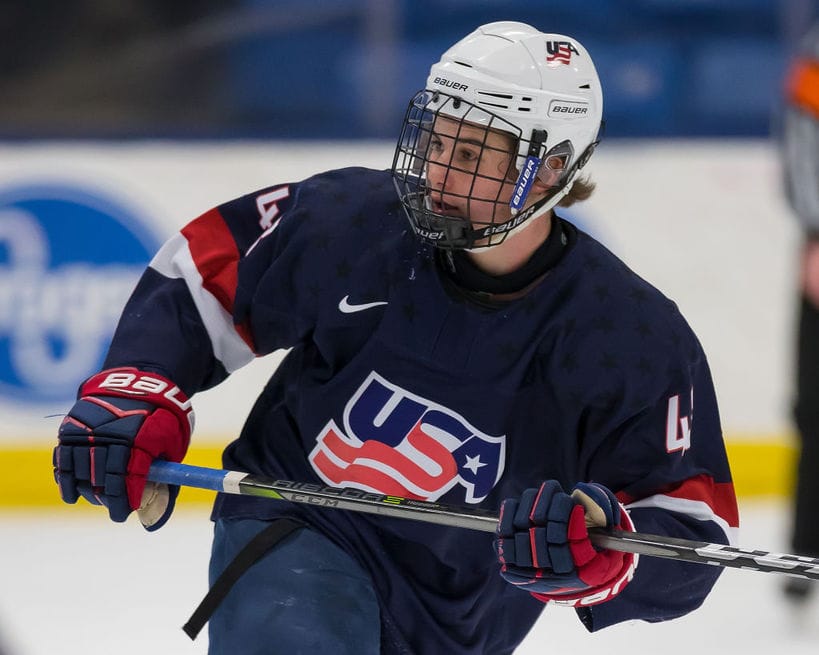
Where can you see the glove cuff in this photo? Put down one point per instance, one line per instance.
(130, 382)
(608, 590)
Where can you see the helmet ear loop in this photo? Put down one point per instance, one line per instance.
(529, 170)
(571, 175)
(549, 201)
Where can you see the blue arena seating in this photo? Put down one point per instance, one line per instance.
(668, 67)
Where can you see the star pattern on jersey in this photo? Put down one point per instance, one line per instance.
(608, 399)
(645, 366)
(391, 275)
(340, 198)
(323, 241)
(638, 296)
(606, 357)
(568, 362)
(529, 305)
(604, 324)
(601, 291)
(426, 264)
(371, 295)
(608, 361)
(314, 289)
(592, 263)
(359, 221)
(343, 269)
(507, 350)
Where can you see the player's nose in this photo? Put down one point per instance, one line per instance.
(441, 179)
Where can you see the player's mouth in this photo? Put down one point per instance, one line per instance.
(440, 207)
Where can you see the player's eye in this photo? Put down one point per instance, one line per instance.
(468, 154)
(435, 144)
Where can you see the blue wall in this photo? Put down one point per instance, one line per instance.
(320, 69)
(668, 67)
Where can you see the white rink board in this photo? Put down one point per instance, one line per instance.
(703, 221)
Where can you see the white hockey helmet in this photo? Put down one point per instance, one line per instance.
(541, 88)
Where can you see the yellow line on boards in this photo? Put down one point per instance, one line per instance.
(27, 478)
(760, 467)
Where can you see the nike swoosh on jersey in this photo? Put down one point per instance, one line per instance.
(348, 308)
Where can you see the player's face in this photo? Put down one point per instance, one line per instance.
(468, 172)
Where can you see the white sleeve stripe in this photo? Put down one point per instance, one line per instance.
(174, 260)
(696, 509)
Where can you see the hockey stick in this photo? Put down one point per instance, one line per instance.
(356, 500)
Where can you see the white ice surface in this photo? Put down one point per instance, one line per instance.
(71, 582)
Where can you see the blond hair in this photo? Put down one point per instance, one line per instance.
(581, 190)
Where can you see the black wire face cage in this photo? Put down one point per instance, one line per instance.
(458, 173)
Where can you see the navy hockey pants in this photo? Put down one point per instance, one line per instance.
(304, 596)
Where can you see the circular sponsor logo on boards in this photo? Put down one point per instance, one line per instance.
(69, 259)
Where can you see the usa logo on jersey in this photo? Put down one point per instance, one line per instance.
(397, 443)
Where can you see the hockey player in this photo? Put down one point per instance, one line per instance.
(801, 167)
(487, 353)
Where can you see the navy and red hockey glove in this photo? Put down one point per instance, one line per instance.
(123, 420)
(543, 544)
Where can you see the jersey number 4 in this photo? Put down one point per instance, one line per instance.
(678, 428)
(267, 204)
(268, 207)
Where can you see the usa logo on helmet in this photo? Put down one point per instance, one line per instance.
(560, 52)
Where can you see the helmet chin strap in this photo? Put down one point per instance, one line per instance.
(524, 218)
(527, 217)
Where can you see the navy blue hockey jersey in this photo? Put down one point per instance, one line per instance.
(394, 383)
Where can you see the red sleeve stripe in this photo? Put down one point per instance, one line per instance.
(232, 344)
(216, 257)
(215, 254)
(700, 497)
